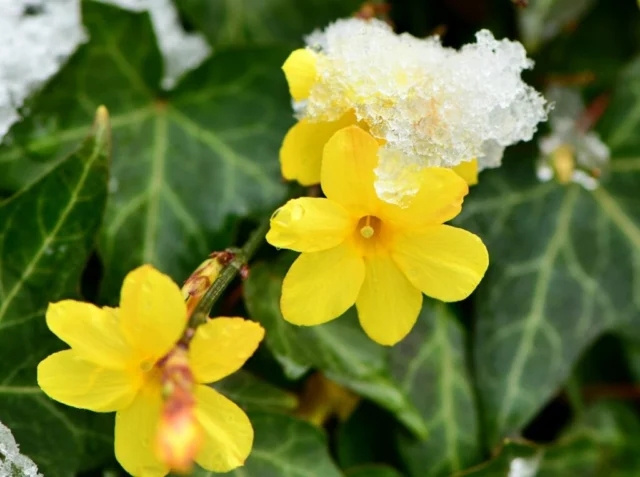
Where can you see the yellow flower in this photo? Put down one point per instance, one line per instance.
(359, 249)
(115, 364)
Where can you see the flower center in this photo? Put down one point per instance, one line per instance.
(369, 226)
(564, 163)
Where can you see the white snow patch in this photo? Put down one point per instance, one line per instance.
(434, 106)
(525, 467)
(181, 51)
(37, 37)
(10, 457)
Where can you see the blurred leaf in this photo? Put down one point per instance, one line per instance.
(513, 459)
(430, 365)
(186, 163)
(263, 21)
(284, 447)
(47, 232)
(366, 437)
(541, 20)
(253, 394)
(373, 471)
(632, 355)
(339, 348)
(577, 55)
(563, 268)
(603, 443)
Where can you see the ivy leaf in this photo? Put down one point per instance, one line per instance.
(603, 442)
(366, 437)
(284, 447)
(580, 55)
(542, 20)
(47, 232)
(186, 163)
(263, 21)
(513, 458)
(572, 276)
(339, 348)
(430, 365)
(253, 394)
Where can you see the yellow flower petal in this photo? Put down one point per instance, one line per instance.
(321, 286)
(468, 171)
(153, 313)
(444, 262)
(135, 434)
(348, 162)
(300, 71)
(301, 151)
(310, 225)
(221, 346)
(71, 380)
(388, 304)
(92, 332)
(439, 199)
(228, 435)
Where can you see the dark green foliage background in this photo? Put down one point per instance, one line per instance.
(539, 368)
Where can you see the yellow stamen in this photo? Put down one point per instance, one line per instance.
(367, 231)
(564, 163)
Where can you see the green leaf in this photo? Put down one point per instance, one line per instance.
(632, 358)
(373, 471)
(263, 21)
(253, 394)
(47, 232)
(564, 268)
(603, 442)
(367, 436)
(580, 56)
(186, 163)
(339, 348)
(430, 365)
(513, 458)
(541, 20)
(284, 447)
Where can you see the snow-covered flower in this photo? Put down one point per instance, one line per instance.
(357, 249)
(429, 106)
(570, 152)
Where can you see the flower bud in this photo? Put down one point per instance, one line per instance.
(179, 434)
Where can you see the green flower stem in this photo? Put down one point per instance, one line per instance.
(240, 259)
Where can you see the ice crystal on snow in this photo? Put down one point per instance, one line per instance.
(37, 37)
(12, 463)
